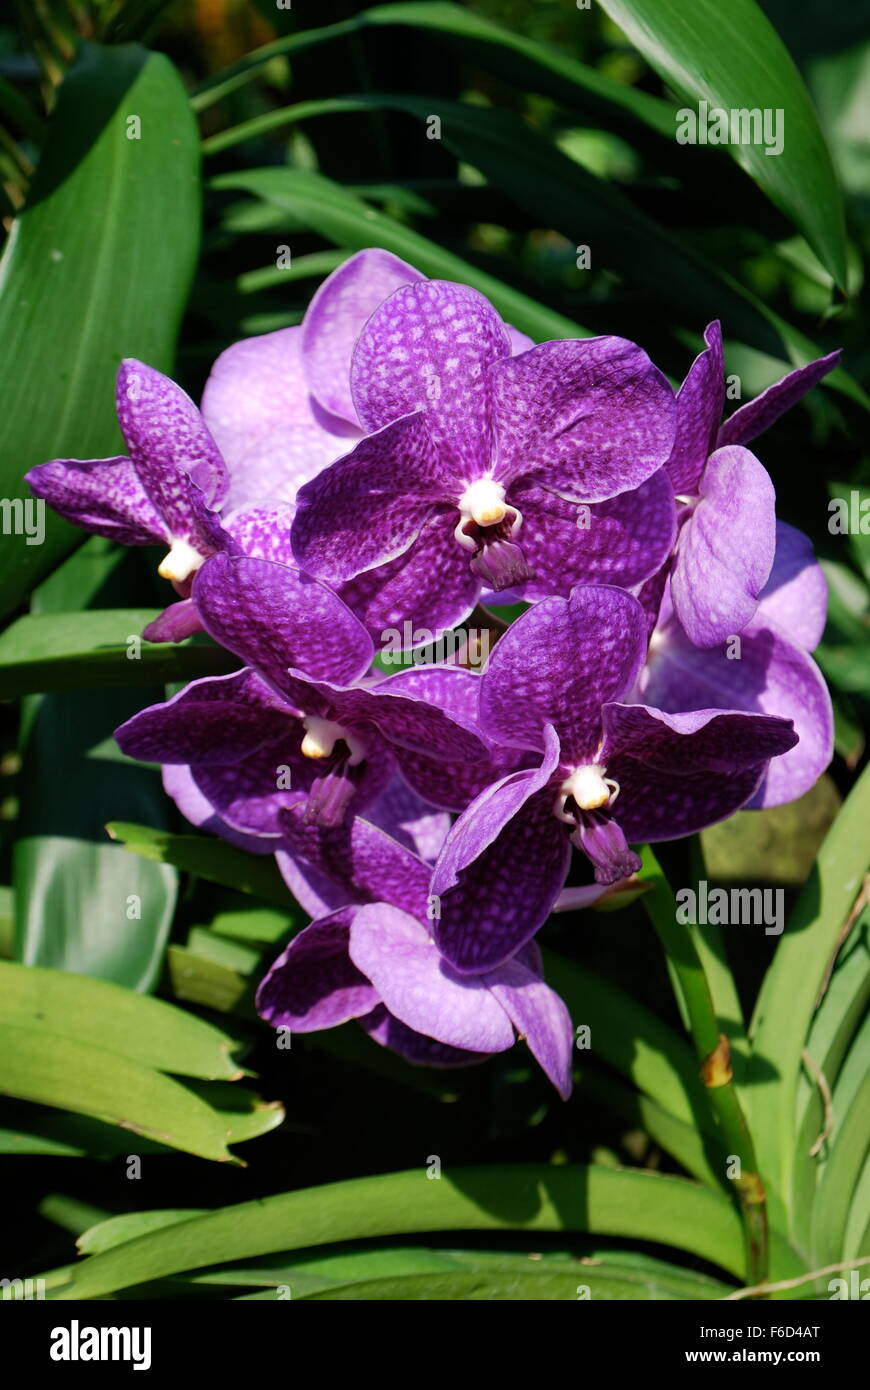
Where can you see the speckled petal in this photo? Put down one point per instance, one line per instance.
(314, 984)
(263, 532)
(103, 496)
(700, 402)
(361, 860)
(756, 416)
(219, 719)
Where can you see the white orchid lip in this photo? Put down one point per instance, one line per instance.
(180, 562)
(588, 788)
(321, 736)
(483, 503)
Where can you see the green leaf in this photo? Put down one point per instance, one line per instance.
(731, 57)
(97, 268)
(55, 1069)
(148, 1031)
(207, 857)
(618, 1202)
(346, 220)
(840, 1174)
(786, 1002)
(101, 647)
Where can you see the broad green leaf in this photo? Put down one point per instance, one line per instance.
(148, 1031)
(55, 1069)
(207, 857)
(526, 1283)
(786, 1002)
(196, 980)
(618, 1202)
(731, 57)
(115, 1230)
(101, 647)
(346, 220)
(97, 268)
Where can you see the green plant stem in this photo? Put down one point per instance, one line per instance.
(713, 1052)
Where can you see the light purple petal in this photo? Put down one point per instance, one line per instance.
(219, 719)
(626, 540)
(368, 507)
(383, 1028)
(540, 1017)
(274, 617)
(428, 348)
(314, 984)
(362, 861)
(104, 496)
(272, 434)
(700, 402)
(680, 772)
(771, 676)
(795, 597)
(430, 586)
(178, 462)
(336, 317)
(395, 952)
(263, 532)
(726, 548)
(756, 416)
(406, 817)
(558, 664)
(588, 418)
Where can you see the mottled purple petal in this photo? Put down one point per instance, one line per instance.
(540, 1017)
(362, 860)
(274, 617)
(336, 317)
(219, 719)
(726, 548)
(680, 772)
(427, 348)
(314, 984)
(625, 541)
(431, 585)
(795, 597)
(588, 418)
(271, 432)
(700, 402)
(395, 952)
(757, 416)
(263, 532)
(177, 460)
(558, 664)
(368, 507)
(406, 817)
(104, 496)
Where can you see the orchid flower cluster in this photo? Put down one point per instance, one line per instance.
(398, 459)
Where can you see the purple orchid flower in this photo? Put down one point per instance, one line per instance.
(476, 464)
(610, 772)
(767, 669)
(373, 960)
(727, 537)
(273, 735)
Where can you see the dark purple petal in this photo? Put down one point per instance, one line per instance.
(558, 664)
(430, 586)
(795, 597)
(177, 460)
(726, 548)
(175, 623)
(274, 618)
(427, 348)
(314, 984)
(406, 817)
(680, 772)
(770, 676)
(587, 418)
(272, 434)
(700, 402)
(178, 784)
(395, 952)
(362, 861)
(540, 1017)
(368, 507)
(756, 416)
(104, 496)
(219, 719)
(336, 317)
(626, 540)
